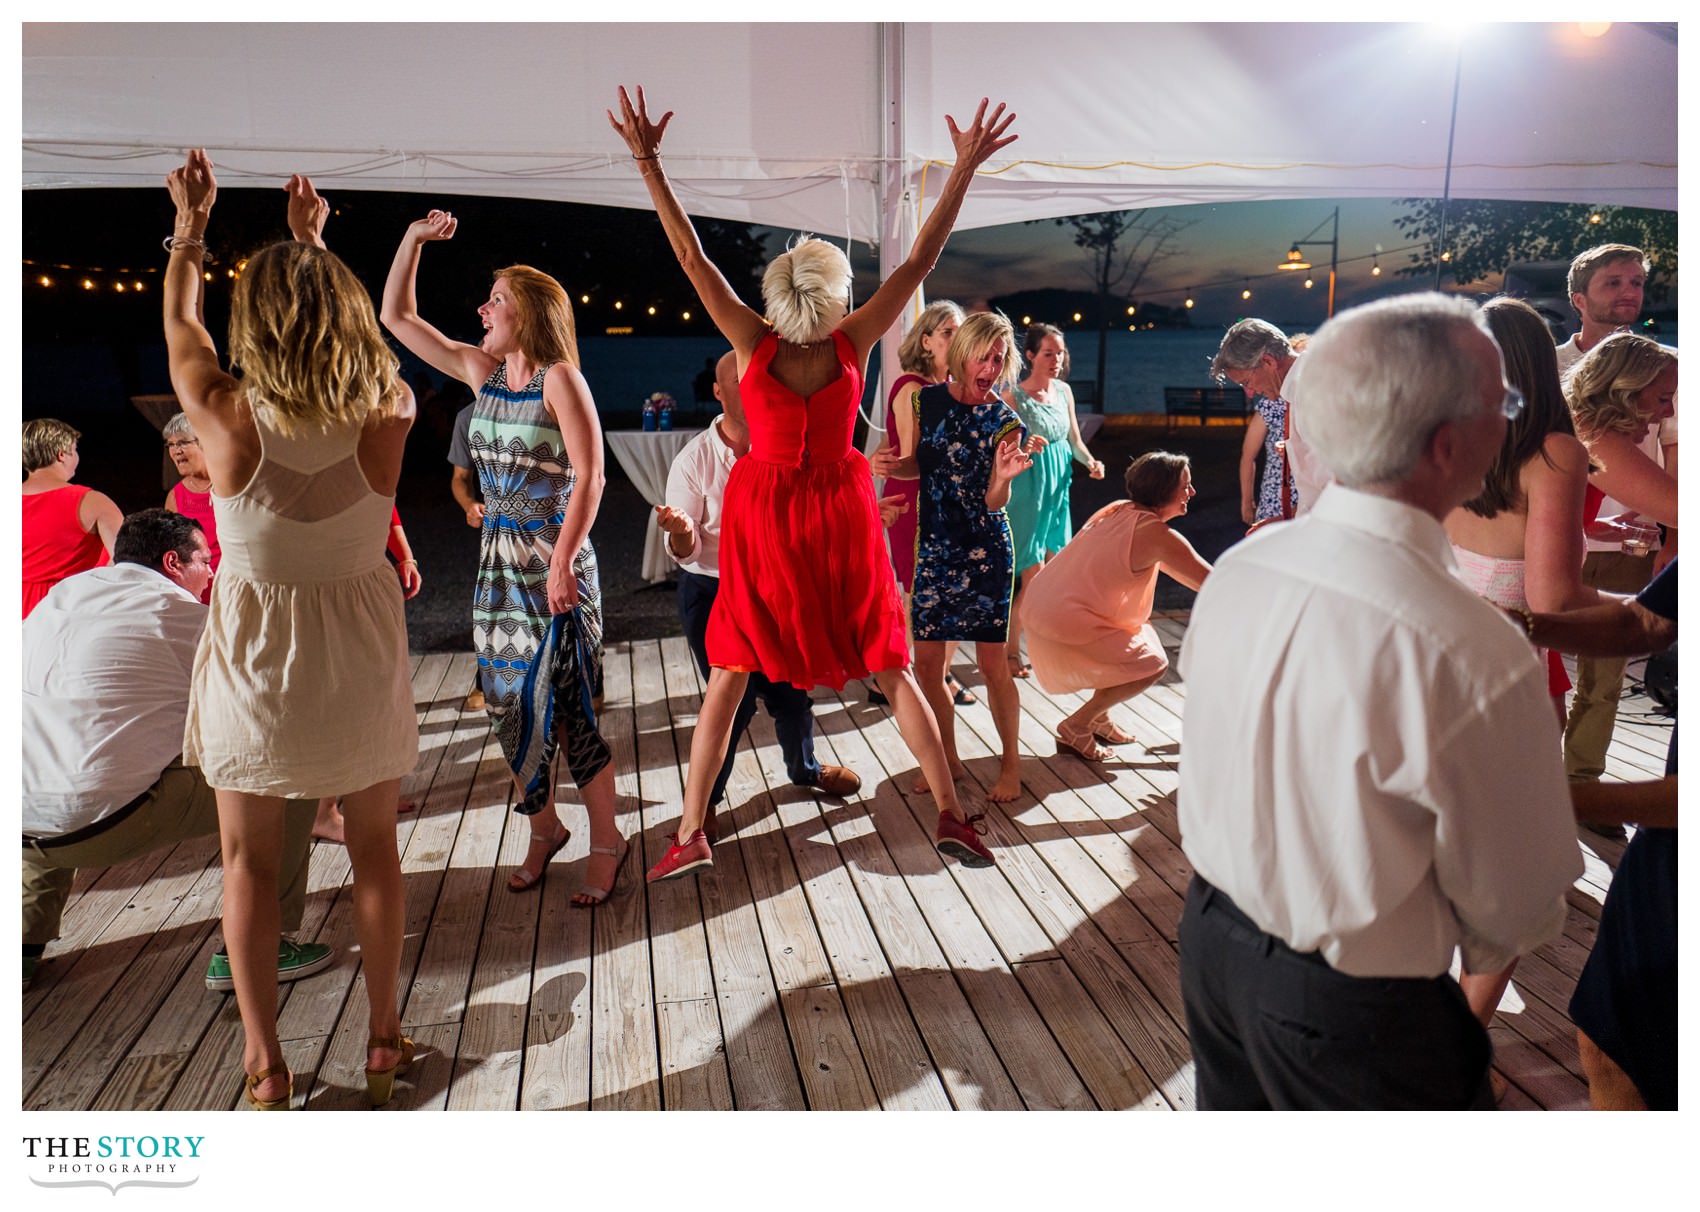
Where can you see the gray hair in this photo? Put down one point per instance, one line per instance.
(177, 427)
(1244, 345)
(1381, 378)
(807, 290)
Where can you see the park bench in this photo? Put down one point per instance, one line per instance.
(1204, 403)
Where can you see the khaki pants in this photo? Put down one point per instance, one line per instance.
(179, 806)
(1599, 682)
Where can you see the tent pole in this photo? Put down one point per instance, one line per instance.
(896, 224)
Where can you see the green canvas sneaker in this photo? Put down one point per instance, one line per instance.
(294, 961)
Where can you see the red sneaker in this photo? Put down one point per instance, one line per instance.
(682, 859)
(961, 840)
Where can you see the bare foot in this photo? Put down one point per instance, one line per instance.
(327, 822)
(958, 772)
(1007, 788)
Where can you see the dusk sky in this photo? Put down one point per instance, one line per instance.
(1226, 244)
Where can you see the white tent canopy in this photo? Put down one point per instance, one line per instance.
(831, 127)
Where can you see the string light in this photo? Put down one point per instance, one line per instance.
(1309, 282)
(618, 305)
(87, 285)
(685, 315)
(119, 287)
(1130, 311)
(652, 311)
(1189, 301)
(207, 276)
(1596, 217)
(1026, 320)
(45, 280)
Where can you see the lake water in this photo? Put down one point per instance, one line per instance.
(623, 371)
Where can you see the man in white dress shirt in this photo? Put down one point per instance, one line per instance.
(105, 670)
(1371, 774)
(696, 485)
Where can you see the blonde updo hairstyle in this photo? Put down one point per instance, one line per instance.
(304, 334)
(977, 334)
(912, 355)
(543, 316)
(1602, 387)
(806, 290)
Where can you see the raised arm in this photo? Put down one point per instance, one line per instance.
(737, 322)
(567, 395)
(200, 383)
(974, 146)
(400, 311)
(307, 211)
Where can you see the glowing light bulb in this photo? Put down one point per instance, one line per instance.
(1246, 293)
(584, 298)
(45, 280)
(87, 285)
(687, 315)
(618, 305)
(1077, 317)
(1189, 302)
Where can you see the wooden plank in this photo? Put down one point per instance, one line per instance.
(1099, 1056)
(834, 1075)
(693, 1074)
(759, 1060)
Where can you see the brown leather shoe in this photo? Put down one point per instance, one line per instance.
(837, 780)
(473, 701)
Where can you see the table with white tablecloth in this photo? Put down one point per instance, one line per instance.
(645, 455)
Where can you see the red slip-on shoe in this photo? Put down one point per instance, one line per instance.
(682, 858)
(960, 840)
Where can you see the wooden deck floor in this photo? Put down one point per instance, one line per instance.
(830, 961)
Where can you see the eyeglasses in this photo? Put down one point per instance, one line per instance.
(1513, 404)
(180, 443)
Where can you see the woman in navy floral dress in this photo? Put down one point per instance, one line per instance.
(969, 447)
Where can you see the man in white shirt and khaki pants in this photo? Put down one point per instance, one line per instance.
(1371, 774)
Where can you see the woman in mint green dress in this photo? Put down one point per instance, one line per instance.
(1038, 501)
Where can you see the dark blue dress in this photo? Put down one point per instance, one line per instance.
(964, 559)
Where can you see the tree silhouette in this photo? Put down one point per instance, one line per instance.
(1486, 236)
(1121, 246)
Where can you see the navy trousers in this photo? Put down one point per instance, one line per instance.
(793, 715)
(1274, 1028)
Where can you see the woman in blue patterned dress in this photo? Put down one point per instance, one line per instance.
(1266, 430)
(969, 448)
(1039, 518)
(536, 610)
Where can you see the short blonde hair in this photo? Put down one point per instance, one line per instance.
(45, 439)
(977, 334)
(543, 316)
(806, 290)
(912, 355)
(1602, 387)
(303, 332)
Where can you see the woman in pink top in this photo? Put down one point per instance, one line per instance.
(1088, 610)
(67, 528)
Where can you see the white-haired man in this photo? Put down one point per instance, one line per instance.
(1257, 357)
(1371, 775)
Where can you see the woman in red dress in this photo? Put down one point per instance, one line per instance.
(806, 588)
(68, 528)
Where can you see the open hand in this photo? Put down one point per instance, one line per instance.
(1013, 457)
(892, 508)
(643, 137)
(193, 186)
(438, 225)
(307, 213)
(983, 138)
